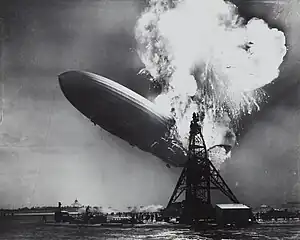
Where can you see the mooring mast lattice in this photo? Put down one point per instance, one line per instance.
(199, 177)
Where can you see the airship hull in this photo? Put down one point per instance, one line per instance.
(123, 113)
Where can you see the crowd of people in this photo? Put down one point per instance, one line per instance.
(90, 216)
(141, 217)
(277, 214)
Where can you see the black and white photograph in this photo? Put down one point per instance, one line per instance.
(149, 119)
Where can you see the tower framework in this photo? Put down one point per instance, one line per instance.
(198, 178)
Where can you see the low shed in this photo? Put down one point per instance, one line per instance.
(237, 214)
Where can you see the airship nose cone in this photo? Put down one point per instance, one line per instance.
(72, 85)
(65, 79)
(62, 78)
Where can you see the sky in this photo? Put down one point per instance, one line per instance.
(49, 152)
(263, 167)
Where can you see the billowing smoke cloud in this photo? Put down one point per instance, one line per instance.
(208, 59)
(150, 208)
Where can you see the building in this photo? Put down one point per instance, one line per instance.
(233, 214)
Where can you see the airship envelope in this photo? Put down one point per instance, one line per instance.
(123, 113)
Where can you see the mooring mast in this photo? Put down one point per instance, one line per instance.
(198, 178)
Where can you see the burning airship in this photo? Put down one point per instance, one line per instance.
(123, 113)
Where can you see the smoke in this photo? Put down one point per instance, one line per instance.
(287, 12)
(207, 58)
(150, 208)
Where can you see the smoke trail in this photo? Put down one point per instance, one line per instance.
(207, 58)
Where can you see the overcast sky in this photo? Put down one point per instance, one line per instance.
(49, 152)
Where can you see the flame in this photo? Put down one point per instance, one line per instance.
(207, 59)
(218, 156)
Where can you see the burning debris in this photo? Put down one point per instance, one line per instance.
(207, 58)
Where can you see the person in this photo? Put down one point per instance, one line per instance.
(58, 213)
(87, 210)
(87, 214)
(59, 206)
(151, 217)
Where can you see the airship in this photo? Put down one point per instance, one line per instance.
(123, 113)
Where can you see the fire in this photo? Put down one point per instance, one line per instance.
(208, 59)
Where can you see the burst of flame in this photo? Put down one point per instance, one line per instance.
(218, 156)
(207, 59)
